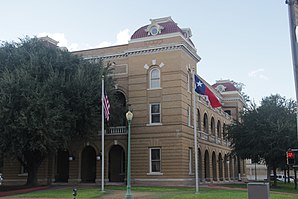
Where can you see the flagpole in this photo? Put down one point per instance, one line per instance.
(294, 47)
(195, 134)
(102, 134)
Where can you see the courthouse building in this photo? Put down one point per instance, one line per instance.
(154, 78)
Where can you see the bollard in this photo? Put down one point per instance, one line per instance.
(74, 193)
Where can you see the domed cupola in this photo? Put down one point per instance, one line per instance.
(161, 26)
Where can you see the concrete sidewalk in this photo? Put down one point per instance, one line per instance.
(20, 191)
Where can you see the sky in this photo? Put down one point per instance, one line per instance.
(244, 41)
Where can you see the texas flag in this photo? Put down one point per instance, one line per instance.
(202, 89)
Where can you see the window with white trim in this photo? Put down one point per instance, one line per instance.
(189, 81)
(155, 113)
(155, 160)
(155, 78)
(188, 116)
(190, 169)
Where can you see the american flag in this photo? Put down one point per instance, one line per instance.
(106, 105)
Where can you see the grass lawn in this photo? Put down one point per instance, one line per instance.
(157, 193)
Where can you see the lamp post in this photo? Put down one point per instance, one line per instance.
(129, 117)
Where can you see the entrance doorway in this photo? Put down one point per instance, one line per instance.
(62, 172)
(88, 169)
(116, 164)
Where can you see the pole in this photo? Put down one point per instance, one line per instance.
(256, 171)
(128, 190)
(195, 135)
(295, 171)
(292, 25)
(102, 135)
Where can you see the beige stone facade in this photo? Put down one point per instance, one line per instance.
(154, 77)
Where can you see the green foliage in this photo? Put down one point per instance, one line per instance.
(47, 96)
(265, 132)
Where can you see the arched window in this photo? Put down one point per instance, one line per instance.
(199, 121)
(212, 126)
(205, 123)
(224, 130)
(218, 129)
(155, 78)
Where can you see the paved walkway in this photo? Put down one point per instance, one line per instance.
(20, 191)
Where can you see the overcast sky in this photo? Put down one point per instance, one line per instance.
(245, 41)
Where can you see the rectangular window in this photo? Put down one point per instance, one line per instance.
(155, 160)
(154, 113)
(190, 171)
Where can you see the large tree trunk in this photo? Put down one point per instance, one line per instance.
(274, 173)
(33, 161)
(32, 175)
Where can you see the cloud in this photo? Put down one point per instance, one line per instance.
(121, 38)
(258, 73)
(103, 44)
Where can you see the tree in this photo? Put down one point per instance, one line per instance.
(265, 132)
(47, 97)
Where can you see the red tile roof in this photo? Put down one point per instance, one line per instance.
(168, 27)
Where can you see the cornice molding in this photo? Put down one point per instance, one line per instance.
(143, 51)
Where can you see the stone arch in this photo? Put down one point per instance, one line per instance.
(206, 166)
(88, 165)
(116, 170)
(220, 167)
(62, 166)
(200, 164)
(214, 167)
(119, 110)
(226, 167)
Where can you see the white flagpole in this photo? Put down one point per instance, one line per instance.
(102, 135)
(195, 133)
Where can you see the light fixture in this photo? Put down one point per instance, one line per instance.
(129, 116)
(71, 158)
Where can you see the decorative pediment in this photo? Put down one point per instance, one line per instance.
(154, 28)
(220, 88)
